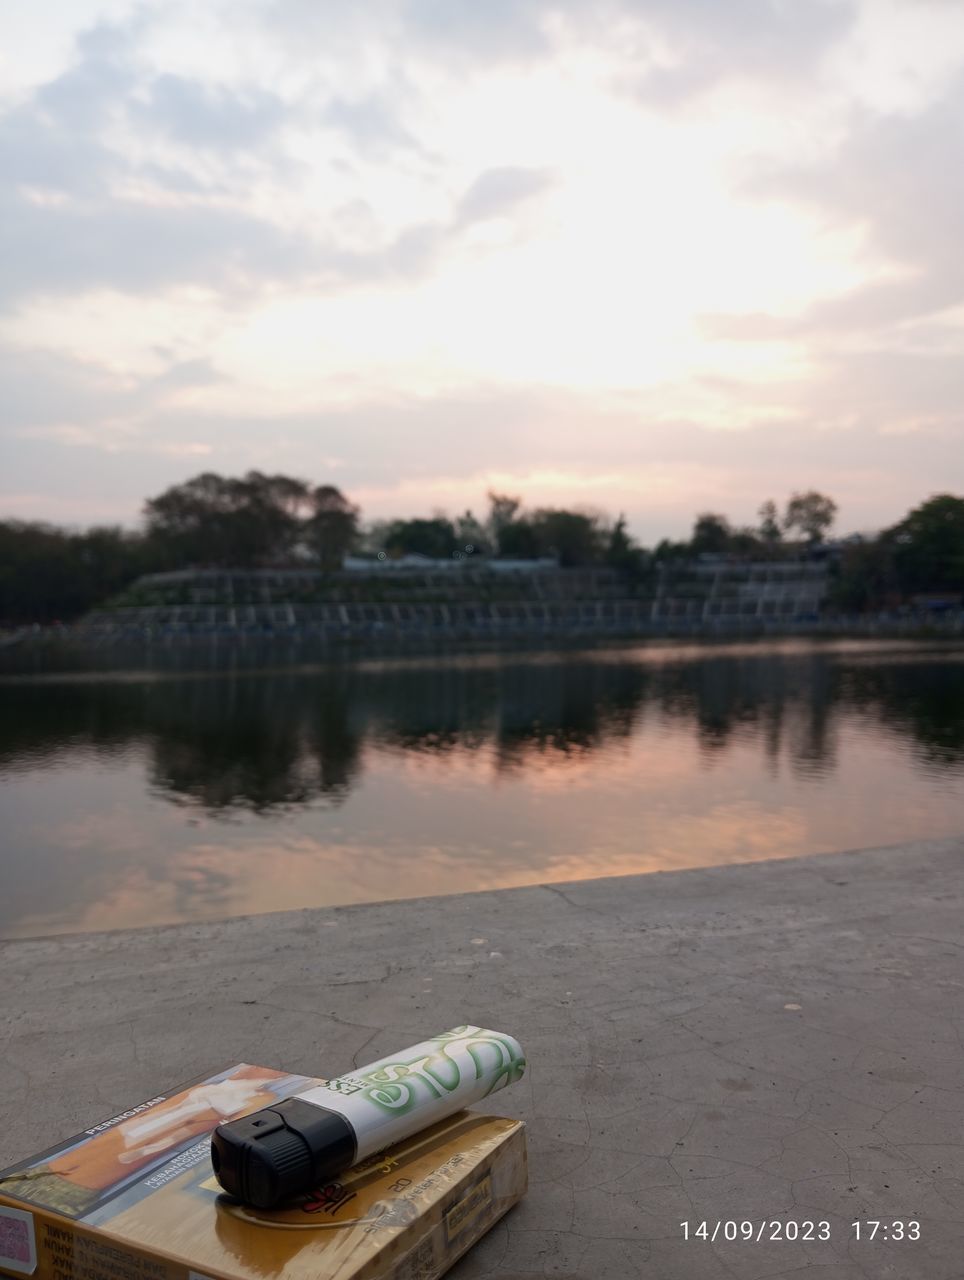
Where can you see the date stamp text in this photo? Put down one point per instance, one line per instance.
(773, 1229)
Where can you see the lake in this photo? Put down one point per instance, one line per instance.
(149, 797)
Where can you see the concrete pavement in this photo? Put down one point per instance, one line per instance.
(769, 1043)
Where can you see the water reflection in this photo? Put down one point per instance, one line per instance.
(287, 739)
(259, 744)
(154, 797)
(922, 700)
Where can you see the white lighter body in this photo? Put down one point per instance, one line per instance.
(407, 1091)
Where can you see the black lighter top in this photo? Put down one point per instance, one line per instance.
(274, 1153)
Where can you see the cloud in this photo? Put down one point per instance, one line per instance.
(46, 393)
(199, 116)
(85, 96)
(80, 211)
(40, 388)
(63, 230)
(893, 389)
(65, 227)
(37, 152)
(186, 373)
(372, 123)
(498, 192)
(497, 29)
(896, 177)
(460, 35)
(704, 42)
(878, 305)
(85, 210)
(132, 246)
(683, 46)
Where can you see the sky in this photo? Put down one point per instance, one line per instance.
(656, 257)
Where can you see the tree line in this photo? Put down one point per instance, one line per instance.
(257, 520)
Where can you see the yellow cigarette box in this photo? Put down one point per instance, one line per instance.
(135, 1198)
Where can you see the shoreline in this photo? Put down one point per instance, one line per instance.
(286, 915)
(47, 648)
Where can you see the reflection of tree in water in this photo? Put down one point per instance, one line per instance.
(527, 710)
(769, 697)
(813, 741)
(43, 722)
(266, 741)
(921, 699)
(427, 708)
(554, 712)
(253, 743)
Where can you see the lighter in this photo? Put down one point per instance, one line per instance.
(294, 1145)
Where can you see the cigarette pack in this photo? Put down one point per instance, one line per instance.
(135, 1198)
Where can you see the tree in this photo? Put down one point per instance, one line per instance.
(294, 497)
(711, 533)
(470, 532)
(667, 550)
(217, 520)
(518, 541)
(270, 515)
(863, 577)
(48, 574)
(812, 513)
(927, 546)
(332, 528)
(503, 512)
(746, 542)
(620, 543)
(621, 551)
(502, 509)
(107, 559)
(769, 528)
(575, 537)
(434, 538)
(372, 537)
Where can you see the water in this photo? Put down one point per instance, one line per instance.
(146, 798)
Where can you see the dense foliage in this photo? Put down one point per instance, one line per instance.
(920, 556)
(49, 574)
(216, 521)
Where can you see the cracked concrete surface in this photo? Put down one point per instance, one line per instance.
(777, 1042)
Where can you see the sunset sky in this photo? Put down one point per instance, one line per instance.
(652, 256)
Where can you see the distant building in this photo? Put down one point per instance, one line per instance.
(936, 601)
(719, 586)
(413, 562)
